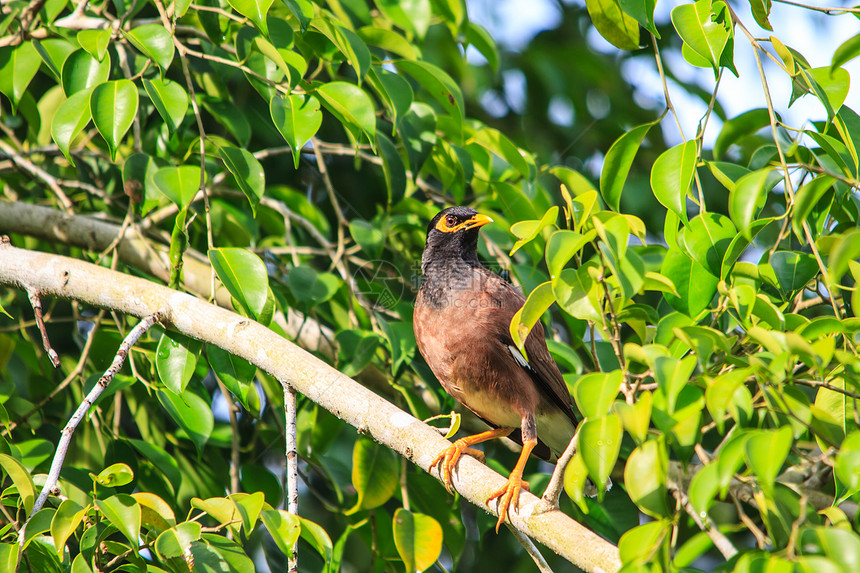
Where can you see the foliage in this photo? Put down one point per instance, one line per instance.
(702, 300)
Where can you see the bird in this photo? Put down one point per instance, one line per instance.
(461, 321)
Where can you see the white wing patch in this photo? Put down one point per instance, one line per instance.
(518, 356)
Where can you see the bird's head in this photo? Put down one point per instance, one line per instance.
(453, 233)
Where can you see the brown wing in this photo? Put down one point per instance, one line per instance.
(541, 367)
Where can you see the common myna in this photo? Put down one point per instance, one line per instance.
(462, 318)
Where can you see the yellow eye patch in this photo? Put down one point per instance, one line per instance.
(453, 226)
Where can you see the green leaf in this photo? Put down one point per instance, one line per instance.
(806, 199)
(154, 42)
(248, 507)
(394, 90)
(64, 523)
(842, 546)
(793, 270)
(834, 83)
(245, 277)
(95, 42)
(113, 106)
(749, 196)
(170, 100)
(410, 15)
(311, 287)
(237, 374)
(595, 392)
(54, 52)
(526, 231)
(480, 38)
(348, 43)
(175, 360)
(847, 51)
(707, 238)
(317, 537)
(643, 12)
(696, 285)
(370, 237)
(254, 10)
(284, 528)
(645, 478)
(735, 129)
(704, 487)
(439, 85)
(847, 249)
(600, 442)
(672, 175)
(18, 66)
(177, 540)
(21, 480)
(375, 474)
(672, 375)
(496, 142)
(38, 524)
(72, 116)
(524, 319)
(179, 184)
(191, 412)
(617, 164)
(847, 467)
(246, 171)
(352, 107)
(619, 29)
(562, 246)
(115, 475)
(298, 118)
(164, 462)
(576, 293)
(705, 29)
(82, 71)
(390, 41)
(418, 539)
(766, 451)
(123, 512)
(230, 116)
(636, 418)
(761, 11)
(576, 479)
(80, 565)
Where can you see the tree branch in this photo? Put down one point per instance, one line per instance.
(68, 278)
(95, 235)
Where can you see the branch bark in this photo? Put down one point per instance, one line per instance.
(68, 278)
(96, 235)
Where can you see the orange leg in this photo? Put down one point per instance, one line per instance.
(450, 455)
(510, 492)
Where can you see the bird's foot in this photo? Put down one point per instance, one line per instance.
(509, 494)
(449, 458)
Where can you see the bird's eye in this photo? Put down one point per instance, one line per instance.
(450, 220)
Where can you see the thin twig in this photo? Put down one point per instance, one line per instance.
(234, 442)
(66, 434)
(721, 542)
(292, 453)
(76, 371)
(531, 549)
(36, 302)
(40, 174)
(556, 482)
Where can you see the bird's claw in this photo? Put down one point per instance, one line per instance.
(449, 458)
(508, 494)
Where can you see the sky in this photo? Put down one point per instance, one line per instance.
(514, 22)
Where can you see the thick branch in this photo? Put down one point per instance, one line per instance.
(73, 279)
(145, 255)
